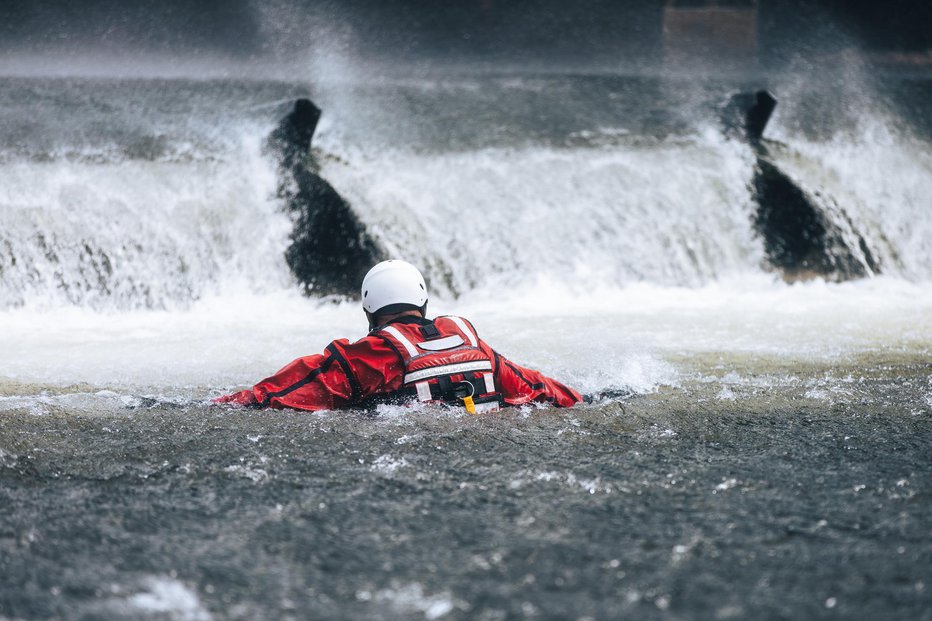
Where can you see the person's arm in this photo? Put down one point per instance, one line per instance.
(343, 375)
(520, 385)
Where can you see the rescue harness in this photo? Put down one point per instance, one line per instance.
(444, 363)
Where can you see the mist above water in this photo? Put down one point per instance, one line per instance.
(303, 38)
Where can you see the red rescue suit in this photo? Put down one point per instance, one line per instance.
(410, 358)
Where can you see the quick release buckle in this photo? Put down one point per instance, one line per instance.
(464, 391)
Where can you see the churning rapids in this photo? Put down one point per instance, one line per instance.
(764, 452)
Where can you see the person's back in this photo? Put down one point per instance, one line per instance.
(405, 357)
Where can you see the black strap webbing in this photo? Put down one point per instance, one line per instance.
(324, 365)
(355, 388)
(430, 331)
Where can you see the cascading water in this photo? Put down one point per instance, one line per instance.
(877, 183)
(674, 213)
(173, 198)
(143, 196)
(137, 233)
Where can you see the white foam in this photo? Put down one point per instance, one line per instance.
(876, 183)
(411, 598)
(613, 216)
(167, 596)
(126, 234)
(386, 465)
(219, 341)
(608, 337)
(725, 485)
(569, 479)
(256, 475)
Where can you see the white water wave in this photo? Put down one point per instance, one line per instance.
(139, 233)
(677, 214)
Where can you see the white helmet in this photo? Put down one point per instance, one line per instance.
(392, 286)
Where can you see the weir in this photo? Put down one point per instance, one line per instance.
(588, 195)
(800, 238)
(330, 250)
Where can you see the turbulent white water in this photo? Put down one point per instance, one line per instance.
(139, 233)
(634, 337)
(673, 214)
(878, 183)
(606, 264)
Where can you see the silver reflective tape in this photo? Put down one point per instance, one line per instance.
(448, 342)
(398, 335)
(489, 384)
(464, 328)
(423, 391)
(448, 369)
(491, 406)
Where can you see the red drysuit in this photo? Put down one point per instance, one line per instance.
(409, 358)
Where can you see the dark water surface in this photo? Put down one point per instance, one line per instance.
(765, 503)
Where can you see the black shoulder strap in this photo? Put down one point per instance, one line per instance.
(348, 371)
(430, 331)
(307, 379)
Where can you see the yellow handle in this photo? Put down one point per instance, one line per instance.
(470, 406)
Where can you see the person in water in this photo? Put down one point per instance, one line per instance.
(405, 357)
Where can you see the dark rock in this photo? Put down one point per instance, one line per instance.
(330, 249)
(291, 140)
(799, 238)
(746, 115)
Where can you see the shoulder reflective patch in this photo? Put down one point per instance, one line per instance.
(448, 369)
(423, 391)
(464, 329)
(401, 339)
(448, 342)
